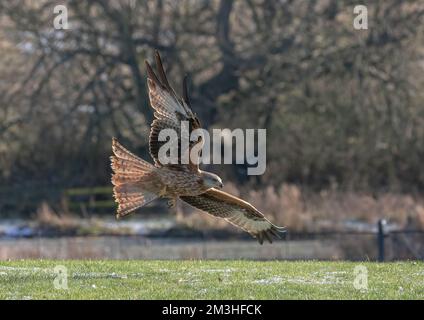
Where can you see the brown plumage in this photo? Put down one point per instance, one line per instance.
(137, 182)
(236, 211)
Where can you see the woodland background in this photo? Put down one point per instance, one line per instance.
(343, 108)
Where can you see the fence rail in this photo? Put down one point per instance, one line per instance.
(93, 199)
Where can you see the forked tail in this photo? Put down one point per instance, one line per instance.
(131, 179)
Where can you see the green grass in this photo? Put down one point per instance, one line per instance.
(34, 279)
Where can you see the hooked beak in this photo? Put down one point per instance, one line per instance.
(221, 185)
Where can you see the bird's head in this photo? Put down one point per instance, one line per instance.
(211, 180)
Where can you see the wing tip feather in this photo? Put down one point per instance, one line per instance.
(186, 97)
(273, 232)
(161, 71)
(151, 74)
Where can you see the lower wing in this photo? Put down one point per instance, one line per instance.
(236, 211)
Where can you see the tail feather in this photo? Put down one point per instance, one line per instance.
(128, 167)
(121, 178)
(131, 178)
(128, 204)
(121, 152)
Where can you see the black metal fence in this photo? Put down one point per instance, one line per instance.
(382, 244)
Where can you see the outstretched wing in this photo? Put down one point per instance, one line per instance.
(236, 211)
(171, 112)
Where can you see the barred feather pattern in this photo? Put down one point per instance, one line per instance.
(236, 211)
(133, 178)
(169, 111)
(154, 144)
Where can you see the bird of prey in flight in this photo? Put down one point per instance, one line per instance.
(137, 182)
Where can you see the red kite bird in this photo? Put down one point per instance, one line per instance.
(137, 182)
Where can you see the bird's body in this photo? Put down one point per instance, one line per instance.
(183, 182)
(137, 182)
(180, 182)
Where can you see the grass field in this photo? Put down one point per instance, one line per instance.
(36, 279)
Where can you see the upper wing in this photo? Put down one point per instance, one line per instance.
(236, 211)
(170, 111)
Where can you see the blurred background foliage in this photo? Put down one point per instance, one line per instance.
(343, 108)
